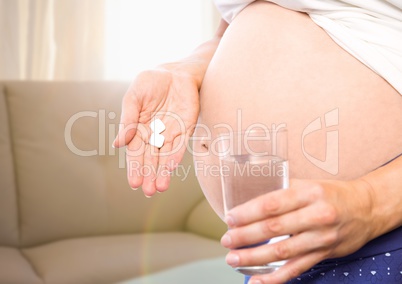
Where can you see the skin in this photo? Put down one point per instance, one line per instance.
(277, 67)
(172, 87)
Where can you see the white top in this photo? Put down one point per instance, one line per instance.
(371, 30)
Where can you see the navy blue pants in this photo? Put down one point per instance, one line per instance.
(378, 262)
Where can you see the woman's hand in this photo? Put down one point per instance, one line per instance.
(167, 94)
(325, 218)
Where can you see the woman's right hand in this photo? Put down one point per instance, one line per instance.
(171, 96)
(169, 93)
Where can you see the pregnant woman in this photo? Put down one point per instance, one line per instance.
(331, 72)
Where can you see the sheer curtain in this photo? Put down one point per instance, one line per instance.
(142, 34)
(51, 39)
(97, 39)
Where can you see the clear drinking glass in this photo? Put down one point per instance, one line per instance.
(253, 163)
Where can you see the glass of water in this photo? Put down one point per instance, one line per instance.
(253, 163)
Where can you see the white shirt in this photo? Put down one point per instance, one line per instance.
(371, 30)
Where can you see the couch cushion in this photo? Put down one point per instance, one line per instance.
(65, 194)
(15, 269)
(111, 259)
(8, 201)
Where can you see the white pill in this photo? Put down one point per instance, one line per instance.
(157, 140)
(157, 126)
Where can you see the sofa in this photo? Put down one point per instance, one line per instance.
(67, 214)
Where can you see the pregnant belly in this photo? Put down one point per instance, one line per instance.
(277, 68)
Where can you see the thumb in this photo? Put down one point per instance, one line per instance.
(128, 123)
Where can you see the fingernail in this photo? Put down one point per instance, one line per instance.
(233, 260)
(134, 188)
(147, 196)
(254, 282)
(226, 240)
(230, 221)
(114, 142)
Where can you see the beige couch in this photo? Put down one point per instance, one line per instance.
(67, 214)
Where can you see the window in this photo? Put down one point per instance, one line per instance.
(143, 34)
(98, 40)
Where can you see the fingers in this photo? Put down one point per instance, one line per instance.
(172, 151)
(151, 167)
(292, 247)
(263, 230)
(300, 194)
(292, 269)
(298, 251)
(309, 218)
(150, 170)
(170, 156)
(164, 95)
(164, 171)
(128, 121)
(135, 160)
(142, 162)
(268, 205)
(143, 165)
(307, 212)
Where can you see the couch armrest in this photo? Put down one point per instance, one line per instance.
(205, 222)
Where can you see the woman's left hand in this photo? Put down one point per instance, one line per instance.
(325, 219)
